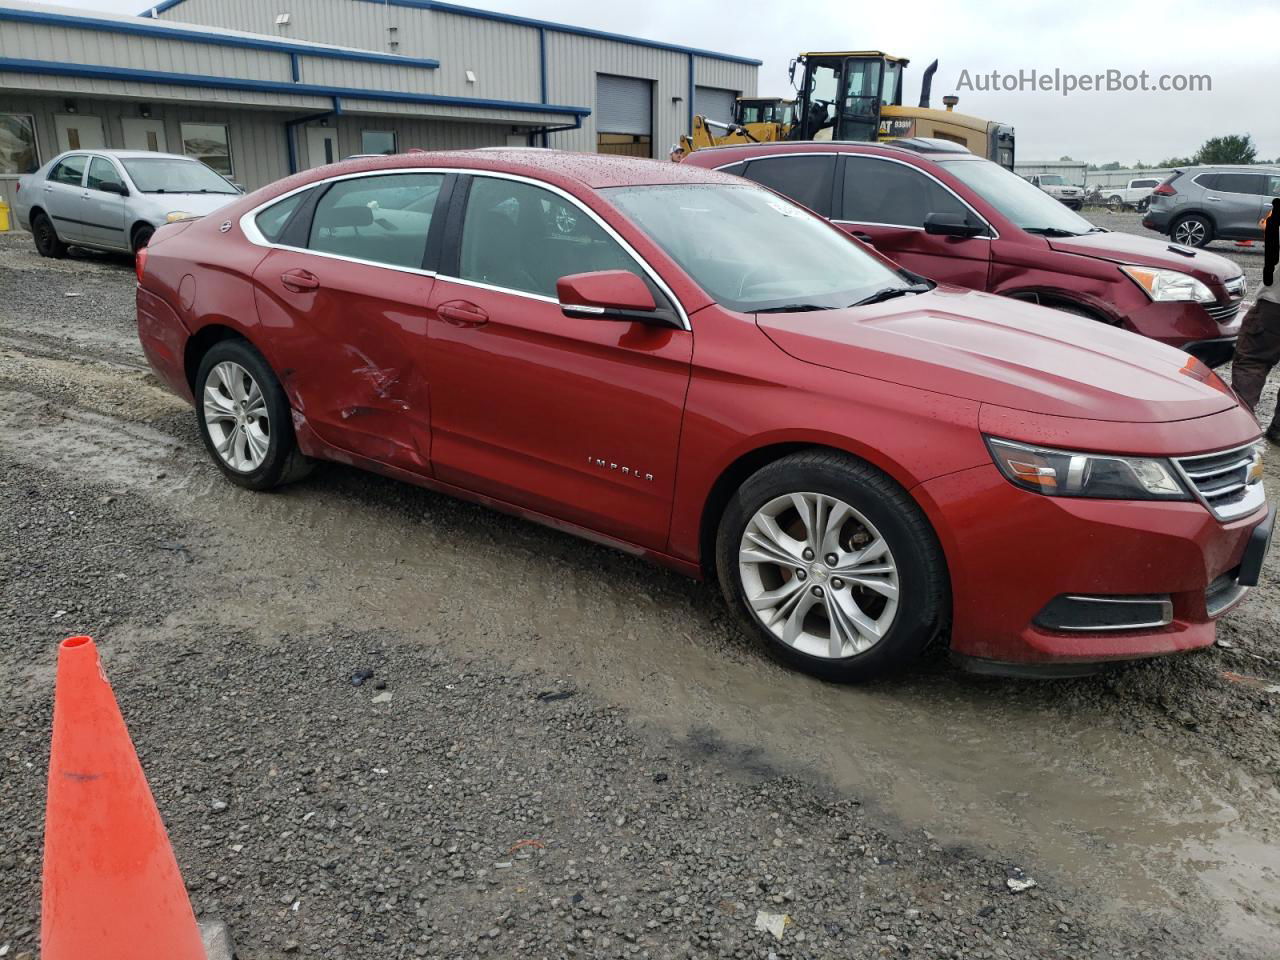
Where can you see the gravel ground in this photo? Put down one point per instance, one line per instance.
(580, 756)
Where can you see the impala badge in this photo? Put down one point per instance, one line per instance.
(625, 471)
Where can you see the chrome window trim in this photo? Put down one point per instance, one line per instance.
(995, 234)
(249, 227)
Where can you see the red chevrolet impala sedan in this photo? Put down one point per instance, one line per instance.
(690, 367)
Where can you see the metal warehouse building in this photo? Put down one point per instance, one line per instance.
(261, 88)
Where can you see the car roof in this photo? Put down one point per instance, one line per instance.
(129, 154)
(559, 167)
(922, 148)
(1234, 167)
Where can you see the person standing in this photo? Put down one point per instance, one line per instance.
(1258, 349)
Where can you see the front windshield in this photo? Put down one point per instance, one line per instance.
(751, 250)
(1026, 205)
(171, 175)
(1053, 180)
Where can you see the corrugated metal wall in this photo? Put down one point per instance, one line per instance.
(504, 57)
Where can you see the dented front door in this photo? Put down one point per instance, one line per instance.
(356, 334)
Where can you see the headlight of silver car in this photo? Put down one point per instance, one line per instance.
(1169, 285)
(1065, 473)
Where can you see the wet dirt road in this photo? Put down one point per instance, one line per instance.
(1152, 791)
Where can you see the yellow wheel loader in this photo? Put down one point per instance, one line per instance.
(856, 96)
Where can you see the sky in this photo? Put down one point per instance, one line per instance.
(1236, 44)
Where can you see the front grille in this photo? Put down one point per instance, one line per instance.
(1222, 481)
(1223, 313)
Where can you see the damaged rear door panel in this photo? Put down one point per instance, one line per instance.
(352, 297)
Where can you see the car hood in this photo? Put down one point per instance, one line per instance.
(1001, 351)
(1148, 252)
(197, 203)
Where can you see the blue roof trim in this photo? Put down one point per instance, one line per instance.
(77, 22)
(275, 86)
(531, 22)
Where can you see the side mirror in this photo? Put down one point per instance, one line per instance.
(116, 188)
(952, 225)
(607, 295)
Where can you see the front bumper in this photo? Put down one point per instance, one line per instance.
(1011, 553)
(1189, 326)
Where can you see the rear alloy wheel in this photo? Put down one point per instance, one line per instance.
(46, 238)
(1192, 231)
(833, 566)
(245, 419)
(1116, 201)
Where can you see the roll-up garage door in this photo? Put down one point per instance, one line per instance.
(714, 103)
(624, 115)
(624, 104)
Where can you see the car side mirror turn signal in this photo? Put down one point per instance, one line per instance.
(608, 295)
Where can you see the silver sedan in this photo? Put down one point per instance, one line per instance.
(114, 199)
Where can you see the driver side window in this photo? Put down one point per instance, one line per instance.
(884, 192)
(525, 238)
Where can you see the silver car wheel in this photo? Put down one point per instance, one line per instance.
(235, 414)
(818, 575)
(1189, 233)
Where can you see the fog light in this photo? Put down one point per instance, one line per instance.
(1077, 612)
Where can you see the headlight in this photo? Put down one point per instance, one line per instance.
(177, 215)
(1062, 473)
(1169, 285)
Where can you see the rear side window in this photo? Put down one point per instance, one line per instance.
(70, 171)
(1247, 183)
(1207, 180)
(381, 219)
(522, 237)
(880, 191)
(102, 171)
(272, 221)
(806, 180)
(734, 168)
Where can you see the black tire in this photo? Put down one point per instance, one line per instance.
(141, 236)
(283, 462)
(1116, 201)
(924, 602)
(1196, 229)
(46, 237)
(1141, 205)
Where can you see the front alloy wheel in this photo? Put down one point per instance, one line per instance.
(832, 565)
(818, 575)
(235, 413)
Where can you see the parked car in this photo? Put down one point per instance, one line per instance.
(694, 369)
(1137, 193)
(114, 199)
(941, 212)
(1056, 186)
(1201, 204)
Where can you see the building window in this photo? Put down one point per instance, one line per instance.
(210, 143)
(18, 152)
(378, 141)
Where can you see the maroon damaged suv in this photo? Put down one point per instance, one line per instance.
(943, 213)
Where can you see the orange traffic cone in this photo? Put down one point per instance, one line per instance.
(112, 890)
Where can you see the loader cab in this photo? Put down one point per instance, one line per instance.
(839, 95)
(764, 110)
